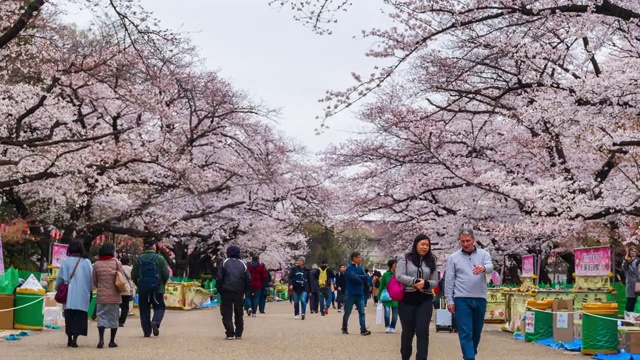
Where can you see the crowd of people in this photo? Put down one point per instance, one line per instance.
(114, 282)
(243, 287)
(464, 285)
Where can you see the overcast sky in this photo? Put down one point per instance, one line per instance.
(266, 53)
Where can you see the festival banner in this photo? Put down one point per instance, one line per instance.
(528, 262)
(1, 257)
(58, 254)
(594, 261)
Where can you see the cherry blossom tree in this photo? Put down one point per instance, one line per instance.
(519, 117)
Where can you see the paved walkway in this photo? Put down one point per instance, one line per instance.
(198, 334)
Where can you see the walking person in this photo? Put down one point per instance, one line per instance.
(76, 273)
(325, 277)
(314, 289)
(126, 297)
(630, 268)
(390, 307)
(258, 279)
(417, 272)
(299, 279)
(355, 279)
(108, 297)
(265, 291)
(232, 281)
(466, 291)
(150, 274)
(367, 288)
(341, 286)
(375, 286)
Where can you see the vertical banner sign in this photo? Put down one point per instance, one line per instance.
(530, 322)
(593, 261)
(58, 254)
(1, 257)
(528, 266)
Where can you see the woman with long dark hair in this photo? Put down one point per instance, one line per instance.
(75, 271)
(417, 271)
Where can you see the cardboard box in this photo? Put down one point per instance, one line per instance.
(563, 320)
(577, 329)
(49, 300)
(6, 317)
(631, 342)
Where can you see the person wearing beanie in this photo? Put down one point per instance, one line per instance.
(150, 273)
(299, 279)
(314, 289)
(233, 280)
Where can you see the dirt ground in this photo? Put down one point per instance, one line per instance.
(198, 334)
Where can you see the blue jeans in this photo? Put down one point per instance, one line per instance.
(263, 299)
(299, 297)
(390, 317)
(358, 300)
(253, 299)
(469, 321)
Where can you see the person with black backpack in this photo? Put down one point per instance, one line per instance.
(299, 279)
(150, 273)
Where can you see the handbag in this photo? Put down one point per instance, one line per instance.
(63, 289)
(384, 296)
(395, 288)
(637, 287)
(122, 284)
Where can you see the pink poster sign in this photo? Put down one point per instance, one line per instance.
(593, 261)
(58, 254)
(527, 266)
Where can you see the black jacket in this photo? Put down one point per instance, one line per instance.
(314, 285)
(233, 276)
(341, 281)
(296, 286)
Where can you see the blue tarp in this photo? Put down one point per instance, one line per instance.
(620, 356)
(576, 345)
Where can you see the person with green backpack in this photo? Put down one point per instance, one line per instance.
(390, 306)
(150, 273)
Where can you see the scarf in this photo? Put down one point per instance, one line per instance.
(105, 257)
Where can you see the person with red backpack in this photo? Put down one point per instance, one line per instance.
(258, 278)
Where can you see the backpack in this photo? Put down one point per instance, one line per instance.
(148, 275)
(300, 279)
(322, 279)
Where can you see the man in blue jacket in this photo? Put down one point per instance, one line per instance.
(355, 280)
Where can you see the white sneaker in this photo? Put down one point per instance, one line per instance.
(387, 330)
(393, 330)
(297, 317)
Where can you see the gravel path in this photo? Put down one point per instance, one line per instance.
(198, 334)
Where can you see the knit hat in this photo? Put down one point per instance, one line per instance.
(233, 251)
(301, 258)
(314, 266)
